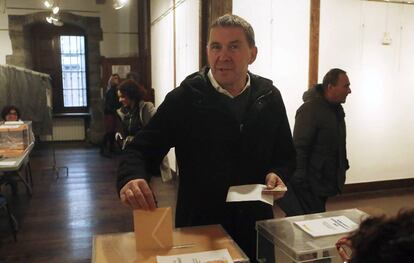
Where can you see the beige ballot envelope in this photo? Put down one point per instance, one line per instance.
(153, 229)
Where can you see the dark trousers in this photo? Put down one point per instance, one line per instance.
(300, 200)
(311, 203)
(243, 231)
(290, 203)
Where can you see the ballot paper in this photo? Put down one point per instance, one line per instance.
(214, 256)
(13, 122)
(7, 163)
(153, 229)
(251, 192)
(327, 226)
(9, 126)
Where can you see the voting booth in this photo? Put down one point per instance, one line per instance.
(307, 238)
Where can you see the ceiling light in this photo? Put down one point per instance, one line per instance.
(48, 3)
(52, 19)
(118, 4)
(55, 10)
(57, 23)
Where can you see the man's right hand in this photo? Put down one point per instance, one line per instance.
(137, 195)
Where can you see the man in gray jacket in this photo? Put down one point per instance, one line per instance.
(320, 141)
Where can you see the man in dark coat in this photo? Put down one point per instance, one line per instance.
(320, 141)
(111, 105)
(228, 126)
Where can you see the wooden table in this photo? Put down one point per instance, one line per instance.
(120, 247)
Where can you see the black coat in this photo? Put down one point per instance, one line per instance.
(320, 140)
(214, 151)
(111, 101)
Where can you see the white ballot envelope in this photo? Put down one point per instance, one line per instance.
(252, 192)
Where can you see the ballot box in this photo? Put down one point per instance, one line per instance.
(121, 247)
(15, 137)
(308, 238)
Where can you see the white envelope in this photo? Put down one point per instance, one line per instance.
(251, 192)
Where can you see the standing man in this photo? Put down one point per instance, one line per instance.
(320, 141)
(111, 105)
(228, 127)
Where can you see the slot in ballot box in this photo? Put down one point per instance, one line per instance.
(292, 244)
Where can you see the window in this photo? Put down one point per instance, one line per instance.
(72, 50)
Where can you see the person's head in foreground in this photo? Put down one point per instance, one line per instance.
(381, 240)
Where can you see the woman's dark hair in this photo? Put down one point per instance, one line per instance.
(130, 89)
(7, 109)
(384, 240)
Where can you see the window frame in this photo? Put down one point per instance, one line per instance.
(60, 108)
(82, 72)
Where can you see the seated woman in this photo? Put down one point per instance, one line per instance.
(10, 113)
(134, 114)
(380, 240)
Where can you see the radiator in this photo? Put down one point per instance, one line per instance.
(68, 129)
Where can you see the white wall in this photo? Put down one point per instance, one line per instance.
(186, 45)
(282, 37)
(120, 27)
(163, 45)
(162, 49)
(379, 123)
(187, 39)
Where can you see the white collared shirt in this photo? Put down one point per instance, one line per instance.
(224, 91)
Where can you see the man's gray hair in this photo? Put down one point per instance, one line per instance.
(229, 20)
(331, 77)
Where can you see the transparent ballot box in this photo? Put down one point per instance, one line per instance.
(283, 241)
(15, 137)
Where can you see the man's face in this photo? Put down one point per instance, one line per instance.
(229, 56)
(114, 80)
(340, 91)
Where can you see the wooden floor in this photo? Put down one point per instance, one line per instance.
(58, 222)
